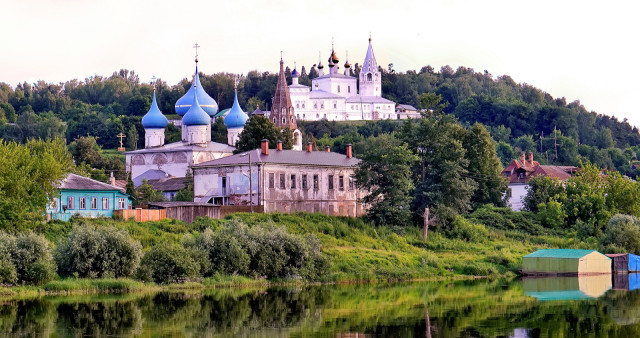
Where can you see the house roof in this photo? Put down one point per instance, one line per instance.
(151, 174)
(559, 253)
(321, 94)
(168, 184)
(407, 107)
(368, 99)
(77, 182)
(292, 157)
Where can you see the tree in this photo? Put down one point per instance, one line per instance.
(131, 189)
(219, 131)
(484, 167)
(255, 130)
(132, 137)
(286, 138)
(29, 177)
(146, 194)
(186, 194)
(385, 172)
(255, 103)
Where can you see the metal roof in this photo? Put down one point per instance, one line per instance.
(292, 157)
(367, 99)
(168, 184)
(560, 253)
(77, 182)
(185, 146)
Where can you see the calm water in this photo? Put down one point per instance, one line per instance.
(565, 307)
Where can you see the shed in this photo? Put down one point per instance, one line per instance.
(628, 282)
(565, 262)
(624, 263)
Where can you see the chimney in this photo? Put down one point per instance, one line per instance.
(279, 147)
(531, 158)
(349, 151)
(522, 158)
(327, 149)
(309, 146)
(265, 146)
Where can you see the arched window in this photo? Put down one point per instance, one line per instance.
(274, 120)
(284, 110)
(315, 106)
(338, 88)
(291, 110)
(348, 89)
(369, 78)
(284, 120)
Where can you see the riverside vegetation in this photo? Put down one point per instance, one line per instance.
(104, 255)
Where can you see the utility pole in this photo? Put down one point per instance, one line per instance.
(425, 228)
(555, 141)
(541, 137)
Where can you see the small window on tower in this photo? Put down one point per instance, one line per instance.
(338, 88)
(284, 120)
(297, 105)
(348, 89)
(369, 78)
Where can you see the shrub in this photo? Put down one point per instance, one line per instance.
(506, 219)
(26, 259)
(166, 263)
(97, 252)
(479, 269)
(471, 232)
(623, 231)
(223, 251)
(551, 214)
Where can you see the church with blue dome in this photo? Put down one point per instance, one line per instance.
(197, 110)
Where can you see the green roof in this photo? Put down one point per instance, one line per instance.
(559, 253)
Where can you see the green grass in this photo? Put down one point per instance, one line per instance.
(105, 285)
(358, 251)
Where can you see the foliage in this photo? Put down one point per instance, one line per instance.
(468, 231)
(551, 214)
(86, 151)
(186, 194)
(146, 193)
(543, 189)
(219, 131)
(168, 263)
(29, 176)
(385, 173)
(258, 128)
(506, 219)
(28, 258)
(623, 231)
(97, 252)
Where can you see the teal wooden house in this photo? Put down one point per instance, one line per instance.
(83, 197)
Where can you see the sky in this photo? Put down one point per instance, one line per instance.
(580, 50)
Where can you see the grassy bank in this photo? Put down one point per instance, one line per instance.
(360, 252)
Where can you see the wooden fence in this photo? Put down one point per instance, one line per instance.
(185, 211)
(141, 215)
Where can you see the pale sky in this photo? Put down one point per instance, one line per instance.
(582, 50)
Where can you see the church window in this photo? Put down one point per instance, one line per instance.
(304, 116)
(315, 106)
(284, 110)
(302, 105)
(335, 105)
(325, 115)
(298, 116)
(281, 181)
(322, 106)
(274, 120)
(291, 110)
(348, 89)
(338, 88)
(317, 116)
(369, 78)
(271, 180)
(297, 105)
(284, 120)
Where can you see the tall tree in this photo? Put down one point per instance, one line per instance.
(255, 130)
(385, 172)
(219, 131)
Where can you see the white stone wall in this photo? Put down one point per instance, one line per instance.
(173, 163)
(518, 192)
(153, 137)
(340, 200)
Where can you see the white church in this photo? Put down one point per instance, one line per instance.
(334, 96)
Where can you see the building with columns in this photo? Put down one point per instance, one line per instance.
(334, 96)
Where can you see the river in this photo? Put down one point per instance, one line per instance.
(597, 306)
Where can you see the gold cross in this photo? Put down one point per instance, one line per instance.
(121, 136)
(196, 46)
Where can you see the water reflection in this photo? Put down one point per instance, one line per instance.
(567, 288)
(460, 309)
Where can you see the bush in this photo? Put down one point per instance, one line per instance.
(223, 251)
(471, 232)
(26, 259)
(623, 231)
(551, 214)
(98, 252)
(166, 263)
(506, 219)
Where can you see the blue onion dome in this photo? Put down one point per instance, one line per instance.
(154, 117)
(295, 73)
(196, 116)
(235, 118)
(207, 103)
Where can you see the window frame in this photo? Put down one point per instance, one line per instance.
(330, 182)
(316, 182)
(122, 204)
(341, 182)
(272, 181)
(283, 183)
(293, 181)
(105, 203)
(305, 184)
(82, 203)
(71, 203)
(94, 203)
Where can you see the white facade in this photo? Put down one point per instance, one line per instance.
(153, 137)
(518, 192)
(334, 96)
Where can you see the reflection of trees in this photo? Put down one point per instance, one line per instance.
(26, 318)
(98, 319)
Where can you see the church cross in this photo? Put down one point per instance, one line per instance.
(121, 136)
(153, 79)
(196, 46)
(280, 55)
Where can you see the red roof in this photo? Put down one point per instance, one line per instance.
(521, 171)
